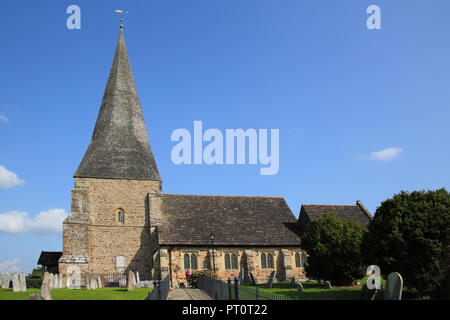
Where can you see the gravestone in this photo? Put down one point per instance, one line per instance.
(299, 287)
(93, 284)
(61, 281)
(394, 287)
(5, 280)
(135, 283)
(46, 276)
(22, 282)
(138, 283)
(130, 281)
(251, 278)
(99, 282)
(367, 294)
(46, 291)
(87, 282)
(15, 282)
(327, 285)
(56, 281)
(51, 280)
(270, 282)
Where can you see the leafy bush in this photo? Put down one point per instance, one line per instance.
(410, 234)
(334, 249)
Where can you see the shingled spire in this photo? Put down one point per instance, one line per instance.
(119, 148)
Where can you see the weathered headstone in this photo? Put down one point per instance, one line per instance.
(130, 281)
(93, 284)
(51, 280)
(56, 281)
(367, 294)
(299, 287)
(46, 291)
(5, 280)
(251, 278)
(87, 282)
(15, 282)
(394, 287)
(327, 285)
(135, 283)
(270, 282)
(61, 281)
(99, 282)
(46, 276)
(139, 284)
(22, 282)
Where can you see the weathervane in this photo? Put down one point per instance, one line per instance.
(121, 17)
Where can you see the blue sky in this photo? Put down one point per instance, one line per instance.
(362, 113)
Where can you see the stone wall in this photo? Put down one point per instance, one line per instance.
(248, 258)
(92, 232)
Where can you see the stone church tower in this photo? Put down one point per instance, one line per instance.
(116, 201)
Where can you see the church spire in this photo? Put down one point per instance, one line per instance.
(119, 148)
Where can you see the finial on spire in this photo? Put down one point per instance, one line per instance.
(121, 17)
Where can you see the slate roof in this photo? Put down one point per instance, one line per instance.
(235, 221)
(357, 212)
(49, 258)
(119, 148)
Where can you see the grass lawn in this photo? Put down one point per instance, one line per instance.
(80, 294)
(312, 291)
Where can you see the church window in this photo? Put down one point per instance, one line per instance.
(227, 261)
(120, 216)
(303, 263)
(187, 264)
(263, 261)
(194, 261)
(234, 264)
(297, 260)
(269, 261)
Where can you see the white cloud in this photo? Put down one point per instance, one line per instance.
(9, 179)
(3, 118)
(387, 154)
(9, 266)
(47, 222)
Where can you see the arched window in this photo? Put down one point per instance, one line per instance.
(303, 260)
(234, 264)
(227, 261)
(186, 262)
(297, 260)
(269, 261)
(194, 261)
(263, 261)
(120, 216)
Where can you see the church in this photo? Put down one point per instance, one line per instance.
(121, 221)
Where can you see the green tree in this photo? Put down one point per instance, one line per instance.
(334, 249)
(34, 279)
(409, 234)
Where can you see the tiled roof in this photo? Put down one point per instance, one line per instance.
(235, 221)
(356, 212)
(119, 148)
